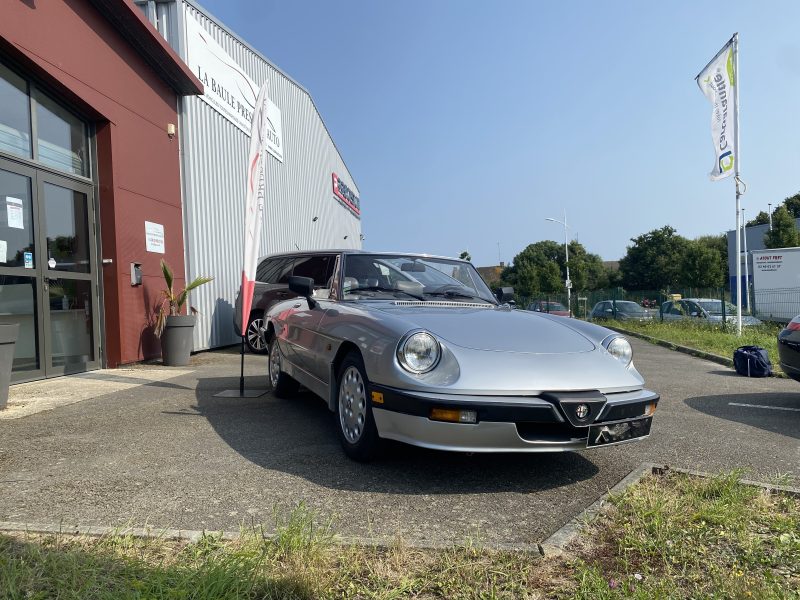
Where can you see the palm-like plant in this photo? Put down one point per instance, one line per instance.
(172, 303)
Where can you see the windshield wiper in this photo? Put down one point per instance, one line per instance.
(380, 288)
(454, 293)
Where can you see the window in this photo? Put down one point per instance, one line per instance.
(61, 137)
(318, 267)
(15, 117)
(274, 270)
(62, 141)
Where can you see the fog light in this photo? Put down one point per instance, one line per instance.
(452, 415)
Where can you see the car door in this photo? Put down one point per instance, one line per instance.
(303, 322)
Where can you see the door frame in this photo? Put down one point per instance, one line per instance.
(47, 274)
(41, 273)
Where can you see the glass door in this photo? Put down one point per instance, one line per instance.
(20, 283)
(68, 268)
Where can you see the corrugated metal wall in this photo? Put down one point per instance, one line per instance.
(214, 166)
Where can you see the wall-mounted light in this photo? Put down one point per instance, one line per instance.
(171, 130)
(315, 219)
(361, 236)
(345, 237)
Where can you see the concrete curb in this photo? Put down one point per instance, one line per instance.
(716, 358)
(557, 543)
(193, 536)
(552, 546)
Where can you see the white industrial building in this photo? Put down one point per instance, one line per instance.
(312, 199)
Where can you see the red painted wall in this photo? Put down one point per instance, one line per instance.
(86, 62)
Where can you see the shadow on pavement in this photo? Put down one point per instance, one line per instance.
(298, 437)
(763, 410)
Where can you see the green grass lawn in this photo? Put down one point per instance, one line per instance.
(672, 536)
(709, 338)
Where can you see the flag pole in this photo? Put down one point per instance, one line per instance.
(241, 374)
(737, 162)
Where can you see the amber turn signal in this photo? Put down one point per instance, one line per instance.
(451, 415)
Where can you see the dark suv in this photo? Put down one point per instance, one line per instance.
(272, 285)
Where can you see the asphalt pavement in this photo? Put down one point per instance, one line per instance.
(167, 453)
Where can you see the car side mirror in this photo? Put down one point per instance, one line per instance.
(694, 314)
(504, 294)
(303, 286)
(608, 310)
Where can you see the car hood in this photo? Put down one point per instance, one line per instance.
(495, 329)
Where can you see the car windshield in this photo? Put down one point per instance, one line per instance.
(553, 306)
(395, 276)
(714, 307)
(630, 308)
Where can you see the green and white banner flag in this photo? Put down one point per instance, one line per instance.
(717, 83)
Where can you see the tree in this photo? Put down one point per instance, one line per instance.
(465, 256)
(720, 244)
(792, 204)
(762, 218)
(701, 266)
(536, 269)
(654, 260)
(784, 232)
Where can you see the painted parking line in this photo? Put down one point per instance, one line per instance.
(762, 406)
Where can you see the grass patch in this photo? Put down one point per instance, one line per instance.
(671, 536)
(711, 338)
(685, 537)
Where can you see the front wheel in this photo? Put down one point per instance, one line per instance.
(356, 425)
(283, 386)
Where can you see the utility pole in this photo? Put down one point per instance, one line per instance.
(769, 210)
(568, 282)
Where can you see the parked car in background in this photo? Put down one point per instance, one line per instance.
(789, 349)
(625, 311)
(706, 310)
(416, 348)
(549, 306)
(272, 285)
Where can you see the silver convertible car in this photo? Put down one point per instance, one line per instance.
(416, 348)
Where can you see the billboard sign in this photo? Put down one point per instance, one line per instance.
(228, 89)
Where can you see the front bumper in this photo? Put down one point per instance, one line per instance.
(544, 423)
(789, 356)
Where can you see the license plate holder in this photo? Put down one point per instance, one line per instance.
(616, 432)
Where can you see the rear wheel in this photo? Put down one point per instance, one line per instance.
(283, 386)
(356, 424)
(252, 335)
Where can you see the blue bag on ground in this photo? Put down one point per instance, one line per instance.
(752, 361)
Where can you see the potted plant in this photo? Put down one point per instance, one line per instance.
(8, 338)
(175, 329)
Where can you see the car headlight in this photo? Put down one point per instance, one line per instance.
(419, 352)
(620, 348)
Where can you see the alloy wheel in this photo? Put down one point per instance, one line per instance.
(274, 364)
(352, 404)
(254, 339)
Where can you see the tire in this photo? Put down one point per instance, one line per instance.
(283, 386)
(255, 342)
(354, 420)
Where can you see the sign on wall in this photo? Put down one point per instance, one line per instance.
(345, 196)
(228, 89)
(154, 237)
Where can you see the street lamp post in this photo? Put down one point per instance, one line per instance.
(769, 210)
(567, 283)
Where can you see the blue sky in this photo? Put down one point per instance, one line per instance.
(466, 123)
